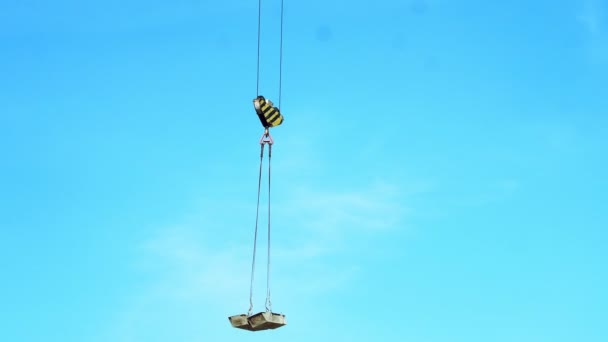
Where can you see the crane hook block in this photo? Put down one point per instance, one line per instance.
(259, 321)
(269, 115)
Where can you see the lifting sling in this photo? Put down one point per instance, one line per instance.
(268, 319)
(265, 139)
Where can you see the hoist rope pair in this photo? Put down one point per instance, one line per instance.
(266, 139)
(257, 90)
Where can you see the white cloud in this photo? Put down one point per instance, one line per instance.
(194, 271)
(202, 265)
(593, 22)
(191, 267)
(491, 192)
(590, 16)
(374, 208)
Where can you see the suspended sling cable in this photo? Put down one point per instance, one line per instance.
(268, 319)
(266, 139)
(255, 236)
(268, 302)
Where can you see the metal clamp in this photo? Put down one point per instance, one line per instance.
(266, 138)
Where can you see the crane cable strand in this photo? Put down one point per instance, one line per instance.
(255, 236)
(281, 57)
(257, 89)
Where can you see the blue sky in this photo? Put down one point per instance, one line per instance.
(440, 174)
